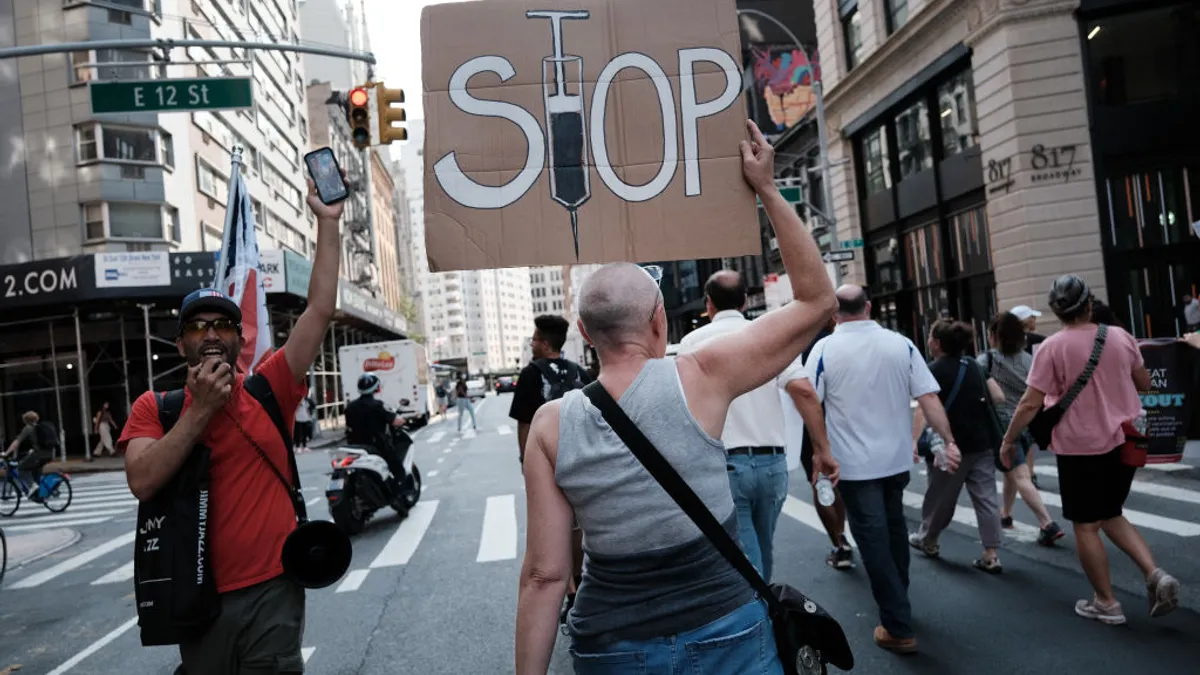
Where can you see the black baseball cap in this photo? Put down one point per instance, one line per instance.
(208, 299)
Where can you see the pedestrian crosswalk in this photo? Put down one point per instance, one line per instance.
(94, 500)
(489, 530)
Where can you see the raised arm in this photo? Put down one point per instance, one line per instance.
(732, 365)
(305, 341)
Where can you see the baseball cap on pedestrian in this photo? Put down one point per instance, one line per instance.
(1024, 312)
(208, 299)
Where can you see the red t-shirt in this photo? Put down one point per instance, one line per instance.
(250, 512)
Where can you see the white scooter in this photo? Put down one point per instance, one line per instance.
(361, 484)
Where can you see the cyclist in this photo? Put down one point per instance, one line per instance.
(37, 440)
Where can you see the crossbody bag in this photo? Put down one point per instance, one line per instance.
(1046, 419)
(806, 636)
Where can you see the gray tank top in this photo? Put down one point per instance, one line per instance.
(648, 570)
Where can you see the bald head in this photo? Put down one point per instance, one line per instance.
(616, 304)
(726, 291)
(852, 300)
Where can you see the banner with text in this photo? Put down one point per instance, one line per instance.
(1170, 400)
(583, 131)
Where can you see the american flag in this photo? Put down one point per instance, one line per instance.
(238, 274)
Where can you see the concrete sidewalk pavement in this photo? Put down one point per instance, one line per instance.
(26, 548)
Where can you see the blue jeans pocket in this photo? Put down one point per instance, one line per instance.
(745, 652)
(609, 663)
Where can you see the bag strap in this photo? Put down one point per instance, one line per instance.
(958, 380)
(170, 407)
(678, 489)
(1088, 370)
(257, 386)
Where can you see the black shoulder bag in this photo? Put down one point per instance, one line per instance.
(174, 586)
(1047, 418)
(806, 636)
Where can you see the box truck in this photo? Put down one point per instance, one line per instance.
(403, 372)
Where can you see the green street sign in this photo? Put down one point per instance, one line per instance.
(791, 195)
(852, 243)
(209, 93)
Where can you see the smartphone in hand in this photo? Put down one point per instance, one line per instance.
(326, 173)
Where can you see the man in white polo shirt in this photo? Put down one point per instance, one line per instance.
(754, 436)
(867, 377)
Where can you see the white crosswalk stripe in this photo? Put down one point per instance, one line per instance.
(35, 580)
(92, 501)
(122, 573)
(504, 429)
(499, 538)
(435, 437)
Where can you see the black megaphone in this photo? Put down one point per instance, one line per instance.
(316, 554)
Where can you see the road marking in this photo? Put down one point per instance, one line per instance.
(353, 580)
(312, 501)
(57, 523)
(446, 451)
(499, 540)
(441, 459)
(966, 516)
(1175, 466)
(101, 494)
(54, 517)
(76, 562)
(1143, 487)
(504, 429)
(104, 501)
(403, 543)
(431, 474)
(435, 437)
(1150, 521)
(806, 513)
(94, 647)
(307, 653)
(122, 573)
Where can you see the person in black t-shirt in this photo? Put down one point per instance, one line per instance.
(547, 377)
(965, 399)
(367, 422)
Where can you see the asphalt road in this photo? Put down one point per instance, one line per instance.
(436, 593)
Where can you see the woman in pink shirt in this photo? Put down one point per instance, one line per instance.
(1093, 480)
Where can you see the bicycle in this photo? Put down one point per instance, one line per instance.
(50, 488)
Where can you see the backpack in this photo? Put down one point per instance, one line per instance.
(174, 585)
(45, 435)
(559, 382)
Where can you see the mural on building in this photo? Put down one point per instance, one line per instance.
(784, 79)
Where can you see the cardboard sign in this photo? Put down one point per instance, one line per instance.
(564, 131)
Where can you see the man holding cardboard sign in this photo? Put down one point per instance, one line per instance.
(564, 132)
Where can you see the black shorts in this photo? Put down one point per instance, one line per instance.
(806, 455)
(1093, 487)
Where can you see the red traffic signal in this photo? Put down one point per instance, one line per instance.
(358, 97)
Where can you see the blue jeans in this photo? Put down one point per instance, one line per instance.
(740, 642)
(464, 404)
(759, 484)
(875, 509)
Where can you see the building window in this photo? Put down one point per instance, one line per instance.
(852, 34)
(210, 182)
(956, 106)
(896, 14)
(923, 255)
(913, 144)
(123, 145)
(875, 161)
(130, 220)
(972, 251)
(1144, 56)
(90, 65)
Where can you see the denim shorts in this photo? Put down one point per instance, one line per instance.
(740, 642)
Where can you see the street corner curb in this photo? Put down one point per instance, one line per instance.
(73, 539)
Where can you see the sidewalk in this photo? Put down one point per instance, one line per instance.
(26, 548)
(76, 465)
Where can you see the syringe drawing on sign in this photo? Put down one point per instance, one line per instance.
(566, 142)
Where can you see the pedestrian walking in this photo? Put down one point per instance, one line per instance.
(250, 513)
(964, 393)
(654, 587)
(867, 377)
(441, 393)
(1095, 372)
(753, 435)
(303, 432)
(103, 425)
(814, 442)
(462, 402)
(1007, 364)
(1191, 312)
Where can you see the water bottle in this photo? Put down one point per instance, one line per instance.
(825, 495)
(1139, 422)
(938, 447)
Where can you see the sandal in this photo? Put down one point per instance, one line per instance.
(991, 566)
(916, 541)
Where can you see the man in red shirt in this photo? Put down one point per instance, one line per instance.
(262, 612)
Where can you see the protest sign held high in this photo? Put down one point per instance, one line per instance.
(583, 131)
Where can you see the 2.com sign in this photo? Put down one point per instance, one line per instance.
(41, 282)
(583, 131)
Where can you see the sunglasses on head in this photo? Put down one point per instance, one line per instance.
(655, 272)
(201, 326)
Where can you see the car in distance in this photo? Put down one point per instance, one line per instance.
(476, 388)
(505, 383)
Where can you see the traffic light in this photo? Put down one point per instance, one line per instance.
(387, 98)
(360, 117)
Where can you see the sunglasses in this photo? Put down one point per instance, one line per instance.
(655, 272)
(200, 327)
